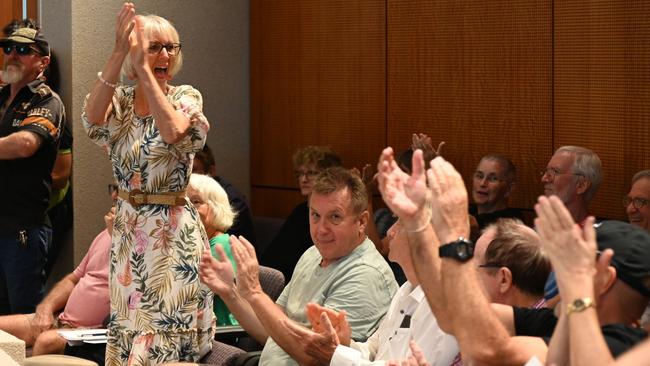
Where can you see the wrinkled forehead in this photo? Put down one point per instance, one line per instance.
(562, 160)
(339, 200)
(641, 188)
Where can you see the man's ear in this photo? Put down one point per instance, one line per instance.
(505, 279)
(363, 221)
(605, 276)
(45, 62)
(604, 280)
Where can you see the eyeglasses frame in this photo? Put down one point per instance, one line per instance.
(166, 46)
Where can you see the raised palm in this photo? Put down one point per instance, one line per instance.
(404, 194)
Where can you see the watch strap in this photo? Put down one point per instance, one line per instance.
(580, 304)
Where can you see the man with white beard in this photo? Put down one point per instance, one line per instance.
(31, 117)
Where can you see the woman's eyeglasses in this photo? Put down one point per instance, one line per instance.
(21, 49)
(171, 48)
(310, 174)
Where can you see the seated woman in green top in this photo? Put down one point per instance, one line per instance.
(211, 201)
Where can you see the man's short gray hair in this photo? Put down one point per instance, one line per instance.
(510, 170)
(588, 164)
(641, 174)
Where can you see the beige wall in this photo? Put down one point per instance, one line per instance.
(215, 37)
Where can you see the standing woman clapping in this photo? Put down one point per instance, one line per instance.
(159, 310)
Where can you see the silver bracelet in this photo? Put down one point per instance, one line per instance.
(108, 84)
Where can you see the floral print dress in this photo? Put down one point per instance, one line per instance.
(160, 311)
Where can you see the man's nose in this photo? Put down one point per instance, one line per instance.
(630, 208)
(322, 226)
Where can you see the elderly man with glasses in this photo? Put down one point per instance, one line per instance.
(637, 202)
(31, 117)
(573, 174)
(637, 207)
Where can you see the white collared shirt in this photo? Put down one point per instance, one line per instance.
(390, 342)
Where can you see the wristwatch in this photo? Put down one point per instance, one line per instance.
(579, 304)
(461, 250)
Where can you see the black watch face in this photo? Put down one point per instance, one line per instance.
(463, 250)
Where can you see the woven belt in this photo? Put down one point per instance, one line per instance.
(136, 198)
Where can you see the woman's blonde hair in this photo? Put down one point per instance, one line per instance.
(214, 195)
(153, 25)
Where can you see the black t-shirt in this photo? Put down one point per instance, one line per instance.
(290, 243)
(26, 182)
(534, 322)
(541, 323)
(66, 137)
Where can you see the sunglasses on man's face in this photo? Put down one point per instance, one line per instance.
(21, 49)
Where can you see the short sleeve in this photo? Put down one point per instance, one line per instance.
(99, 134)
(189, 101)
(46, 118)
(65, 145)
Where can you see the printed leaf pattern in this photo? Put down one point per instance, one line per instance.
(159, 309)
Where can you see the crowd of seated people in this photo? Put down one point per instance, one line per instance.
(342, 305)
(568, 290)
(500, 316)
(602, 271)
(492, 311)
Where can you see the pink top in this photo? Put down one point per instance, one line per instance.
(89, 302)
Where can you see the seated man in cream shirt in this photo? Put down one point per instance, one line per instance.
(408, 318)
(342, 271)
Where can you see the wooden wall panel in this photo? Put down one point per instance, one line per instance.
(478, 75)
(274, 202)
(519, 77)
(9, 10)
(317, 78)
(602, 89)
(32, 9)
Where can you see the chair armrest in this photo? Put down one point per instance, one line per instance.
(248, 359)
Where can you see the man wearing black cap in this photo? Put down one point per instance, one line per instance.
(603, 272)
(31, 116)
